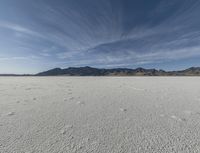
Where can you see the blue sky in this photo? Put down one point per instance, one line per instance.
(37, 35)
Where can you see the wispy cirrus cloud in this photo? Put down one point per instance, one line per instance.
(19, 28)
(14, 58)
(101, 33)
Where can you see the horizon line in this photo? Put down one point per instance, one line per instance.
(33, 74)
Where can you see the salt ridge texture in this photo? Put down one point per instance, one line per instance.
(99, 114)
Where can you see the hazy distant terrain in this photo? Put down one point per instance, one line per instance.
(99, 115)
(90, 71)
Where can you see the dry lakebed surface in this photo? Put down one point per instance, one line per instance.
(99, 114)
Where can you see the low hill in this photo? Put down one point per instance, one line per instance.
(90, 71)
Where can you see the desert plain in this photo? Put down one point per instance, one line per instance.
(99, 114)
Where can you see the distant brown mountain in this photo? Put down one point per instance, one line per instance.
(90, 71)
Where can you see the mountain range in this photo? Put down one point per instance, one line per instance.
(90, 71)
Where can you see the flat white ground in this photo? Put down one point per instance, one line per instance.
(99, 114)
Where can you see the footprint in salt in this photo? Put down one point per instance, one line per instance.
(65, 129)
(11, 114)
(123, 109)
(80, 103)
(177, 118)
(174, 117)
(71, 98)
(183, 119)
